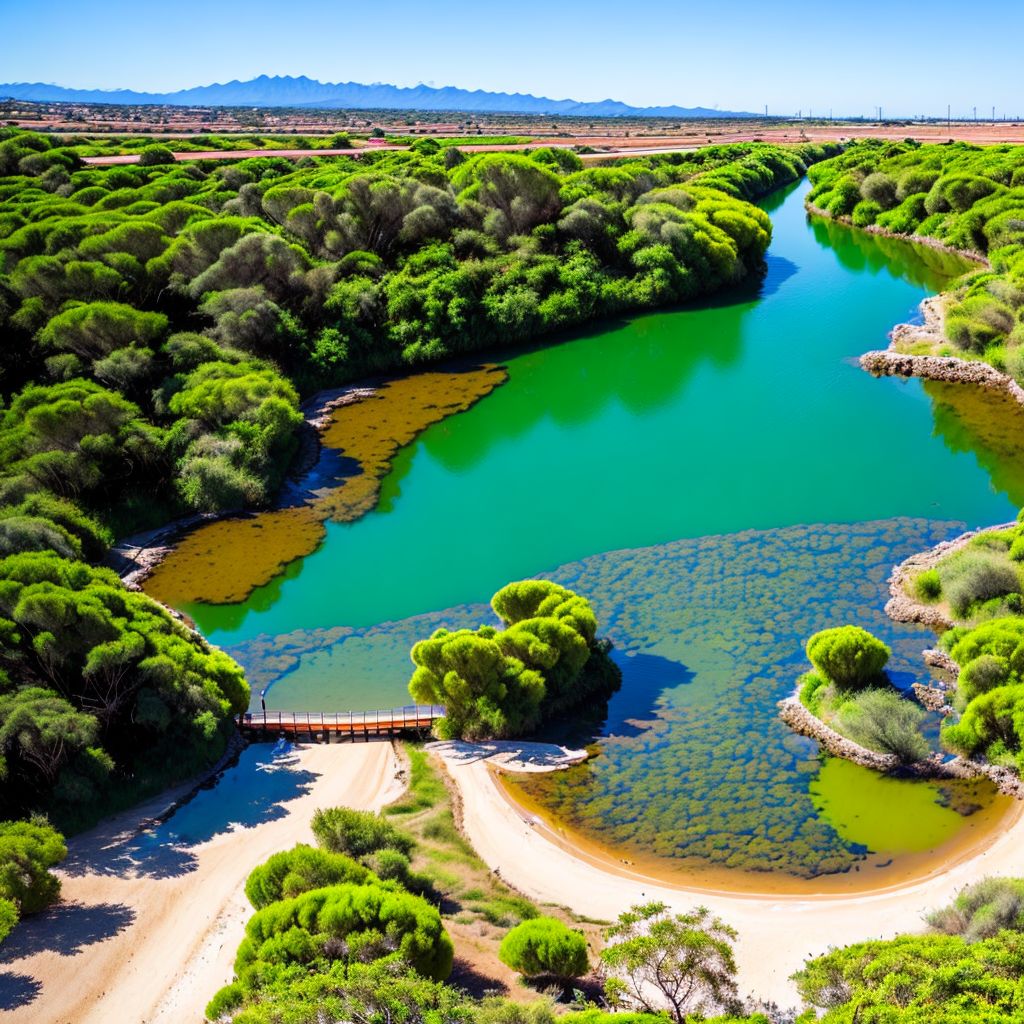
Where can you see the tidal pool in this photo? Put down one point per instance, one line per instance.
(674, 466)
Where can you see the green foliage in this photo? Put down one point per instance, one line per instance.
(928, 585)
(358, 833)
(496, 683)
(977, 577)
(545, 946)
(150, 156)
(968, 198)
(885, 721)
(983, 910)
(655, 958)
(917, 979)
(350, 923)
(847, 656)
(28, 849)
(91, 658)
(293, 872)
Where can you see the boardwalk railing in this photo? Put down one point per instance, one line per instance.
(326, 726)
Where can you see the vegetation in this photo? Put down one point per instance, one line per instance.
(655, 958)
(917, 979)
(301, 869)
(496, 683)
(160, 321)
(850, 692)
(358, 833)
(966, 197)
(544, 946)
(983, 910)
(28, 849)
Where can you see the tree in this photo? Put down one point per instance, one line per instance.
(848, 656)
(358, 833)
(545, 946)
(152, 156)
(28, 849)
(685, 960)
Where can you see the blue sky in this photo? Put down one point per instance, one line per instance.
(908, 56)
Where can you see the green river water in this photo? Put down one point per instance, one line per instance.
(720, 481)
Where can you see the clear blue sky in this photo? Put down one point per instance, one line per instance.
(910, 56)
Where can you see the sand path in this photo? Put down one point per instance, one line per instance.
(777, 933)
(149, 924)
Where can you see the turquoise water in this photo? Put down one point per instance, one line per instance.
(746, 413)
(721, 481)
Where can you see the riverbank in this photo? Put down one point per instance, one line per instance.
(350, 439)
(777, 931)
(149, 921)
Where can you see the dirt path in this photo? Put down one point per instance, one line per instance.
(777, 932)
(149, 922)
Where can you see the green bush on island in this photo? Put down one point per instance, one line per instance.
(990, 691)
(850, 692)
(928, 585)
(28, 849)
(885, 721)
(847, 656)
(496, 683)
(969, 198)
(544, 946)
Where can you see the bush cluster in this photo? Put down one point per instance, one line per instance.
(967, 197)
(497, 683)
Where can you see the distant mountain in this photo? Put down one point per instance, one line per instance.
(307, 92)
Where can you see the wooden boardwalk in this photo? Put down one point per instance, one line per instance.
(335, 727)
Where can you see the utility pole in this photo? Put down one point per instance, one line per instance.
(975, 109)
(947, 117)
(766, 110)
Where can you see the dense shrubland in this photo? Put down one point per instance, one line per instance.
(966, 197)
(329, 940)
(496, 683)
(160, 321)
(848, 690)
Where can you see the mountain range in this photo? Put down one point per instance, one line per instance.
(287, 91)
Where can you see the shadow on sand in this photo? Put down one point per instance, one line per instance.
(251, 792)
(66, 929)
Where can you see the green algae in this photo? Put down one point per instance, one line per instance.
(893, 815)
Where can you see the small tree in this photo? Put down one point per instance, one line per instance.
(545, 946)
(684, 960)
(886, 721)
(848, 656)
(28, 849)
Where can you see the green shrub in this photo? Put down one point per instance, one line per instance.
(151, 156)
(545, 946)
(983, 910)
(358, 833)
(977, 579)
(848, 656)
(28, 849)
(293, 872)
(928, 585)
(885, 721)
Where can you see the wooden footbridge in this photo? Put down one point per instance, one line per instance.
(337, 727)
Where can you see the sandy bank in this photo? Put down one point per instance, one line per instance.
(777, 932)
(148, 926)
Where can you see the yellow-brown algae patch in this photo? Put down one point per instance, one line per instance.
(222, 562)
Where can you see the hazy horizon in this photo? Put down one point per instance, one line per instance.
(910, 61)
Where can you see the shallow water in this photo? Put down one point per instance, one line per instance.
(672, 460)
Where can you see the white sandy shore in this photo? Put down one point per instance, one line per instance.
(777, 933)
(177, 934)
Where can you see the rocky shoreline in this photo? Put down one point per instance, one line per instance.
(901, 607)
(804, 722)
